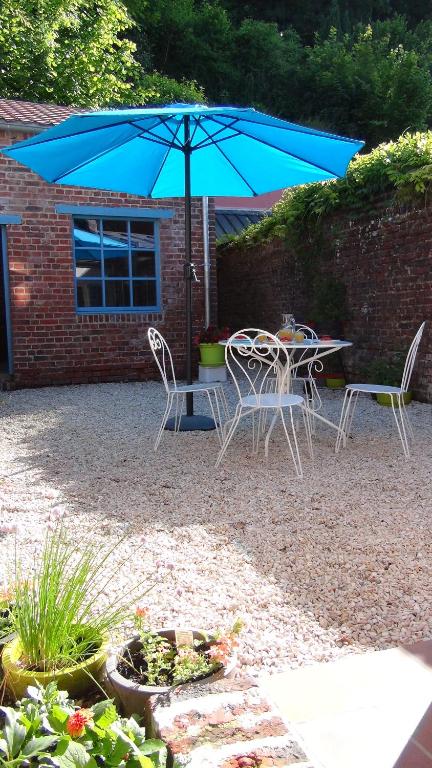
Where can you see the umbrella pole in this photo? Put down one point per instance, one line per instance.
(189, 422)
(188, 261)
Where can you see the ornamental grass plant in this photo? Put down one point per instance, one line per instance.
(60, 614)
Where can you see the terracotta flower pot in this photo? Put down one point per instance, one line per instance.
(76, 679)
(135, 698)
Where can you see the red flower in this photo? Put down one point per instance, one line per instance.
(77, 722)
(141, 612)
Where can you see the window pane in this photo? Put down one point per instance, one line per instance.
(144, 293)
(86, 233)
(114, 233)
(117, 293)
(116, 264)
(88, 262)
(89, 293)
(142, 234)
(143, 264)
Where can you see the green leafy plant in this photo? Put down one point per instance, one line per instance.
(6, 604)
(47, 729)
(59, 614)
(158, 661)
(386, 371)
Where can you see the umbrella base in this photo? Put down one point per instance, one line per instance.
(192, 423)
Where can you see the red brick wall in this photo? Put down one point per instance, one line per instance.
(51, 342)
(385, 264)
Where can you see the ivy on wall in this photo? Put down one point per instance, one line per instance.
(401, 168)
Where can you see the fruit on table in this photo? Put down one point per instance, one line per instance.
(285, 335)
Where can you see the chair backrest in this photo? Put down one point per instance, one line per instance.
(253, 358)
(162, 355)
(410, 359)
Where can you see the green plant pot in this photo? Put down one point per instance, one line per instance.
(212, 354)
(76, 679)
(335, 383)
(386, 400)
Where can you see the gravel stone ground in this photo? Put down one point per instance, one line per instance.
(336, 563)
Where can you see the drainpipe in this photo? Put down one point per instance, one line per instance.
(206, 247)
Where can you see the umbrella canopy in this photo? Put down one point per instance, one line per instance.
(234, 151)
(183, 150)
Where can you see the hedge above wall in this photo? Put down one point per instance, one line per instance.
(402, 169)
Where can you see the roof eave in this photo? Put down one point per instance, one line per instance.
(23, 125)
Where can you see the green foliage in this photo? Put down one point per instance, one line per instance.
(386, 371)
(70, 51)
(59, 614)
(6, 626)
(158, 89)
(401, 168)
(47, 729)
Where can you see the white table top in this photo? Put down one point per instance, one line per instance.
(308, 344)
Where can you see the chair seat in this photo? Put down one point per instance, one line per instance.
(375, 389)
(270, 400)
(197, 387)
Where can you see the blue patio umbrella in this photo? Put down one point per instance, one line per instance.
(184, 150)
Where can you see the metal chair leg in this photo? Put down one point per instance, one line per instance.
(229, 435)
(341, 435)
(296, 458)
(163, 422)
(401, 427)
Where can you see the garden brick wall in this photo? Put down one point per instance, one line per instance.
(385, 262)
(51, 342)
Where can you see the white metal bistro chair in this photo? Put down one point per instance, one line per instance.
(403, 424)
(306, 375)
(176, 393)
(252, 356)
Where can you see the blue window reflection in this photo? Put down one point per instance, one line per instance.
(116, 264)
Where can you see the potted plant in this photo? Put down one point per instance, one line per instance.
(154, 661)
(335, 380)
(6, 623)
(388, 372)
(46, 728)
(211, 352)
(61, 626)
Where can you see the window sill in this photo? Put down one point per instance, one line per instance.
(120, 311)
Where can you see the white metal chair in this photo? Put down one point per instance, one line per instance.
(307, 377)
(178, 392)
(252, 356)
(403, 424)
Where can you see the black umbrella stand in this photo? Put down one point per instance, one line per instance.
(189, 421)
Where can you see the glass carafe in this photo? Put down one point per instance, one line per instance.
(287, 330)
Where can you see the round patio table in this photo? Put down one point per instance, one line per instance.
(318, 349)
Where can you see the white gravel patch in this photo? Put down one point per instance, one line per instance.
(338, 562)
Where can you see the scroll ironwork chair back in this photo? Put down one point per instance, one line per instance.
(163, 357)
(253, 357)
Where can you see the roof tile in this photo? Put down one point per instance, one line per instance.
(15, 111)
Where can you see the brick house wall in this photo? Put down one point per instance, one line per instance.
(51, 342)
(385, 264)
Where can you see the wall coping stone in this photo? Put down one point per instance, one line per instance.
(209, 725)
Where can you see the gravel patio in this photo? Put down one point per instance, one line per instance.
(338, 562)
